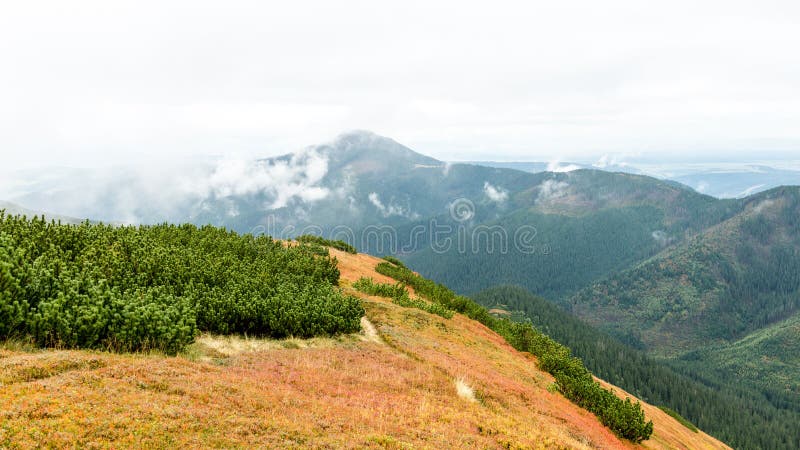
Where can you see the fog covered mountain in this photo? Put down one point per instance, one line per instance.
(358, 178)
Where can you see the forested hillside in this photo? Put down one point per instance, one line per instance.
(567, 252)
(735, 278)
(766, 360)
(586, 226)
(740, 415)
(734, 290)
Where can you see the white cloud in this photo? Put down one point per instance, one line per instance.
(446, 168)
(557, 167)
(759, 208)
(608, 160)
(133, 194)
(280, 180)
(552, 189)
(345, 192)
(495, 194)
(388, 210)
(662, 238)
(749, 191)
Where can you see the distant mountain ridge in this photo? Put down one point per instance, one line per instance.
(711, 261)
(722, 181)
(366, 180)
(556, 166)
(14, 209)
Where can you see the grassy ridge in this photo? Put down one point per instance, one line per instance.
(156, 287)
(573, 379)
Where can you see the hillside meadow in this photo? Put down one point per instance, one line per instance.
(394, 385)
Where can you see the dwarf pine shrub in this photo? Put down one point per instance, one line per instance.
(155, 287)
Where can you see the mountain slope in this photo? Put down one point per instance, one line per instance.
(395, 385)
(759, 421)
(727, 300)
(732, 279)
(721, 180)
(387, 199)
(364, 180)
(585, 225)
(766, 359)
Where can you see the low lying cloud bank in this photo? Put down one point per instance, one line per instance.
(662, 238)
(278, 179)
(495, 194)
(170, 191)
(390, 209)
(552, 189)
(557, 167)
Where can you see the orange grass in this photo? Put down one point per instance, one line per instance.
(396, 391)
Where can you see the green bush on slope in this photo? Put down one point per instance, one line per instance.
(399, 295)
(395, 261)
(319, 240)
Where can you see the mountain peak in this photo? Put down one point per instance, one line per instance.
(359, 136)
(366, 145)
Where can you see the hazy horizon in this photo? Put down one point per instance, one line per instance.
(779, 160)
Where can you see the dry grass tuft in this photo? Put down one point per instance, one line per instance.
(464, 390)
(209, 347)
(370, 333)
(22, 368)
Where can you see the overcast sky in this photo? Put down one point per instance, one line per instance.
(86, 83)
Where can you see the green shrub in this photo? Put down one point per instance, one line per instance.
(156, 287)
(13, 306)
(395, 261)
(319, 240)
(399, 295)
(368, 286)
